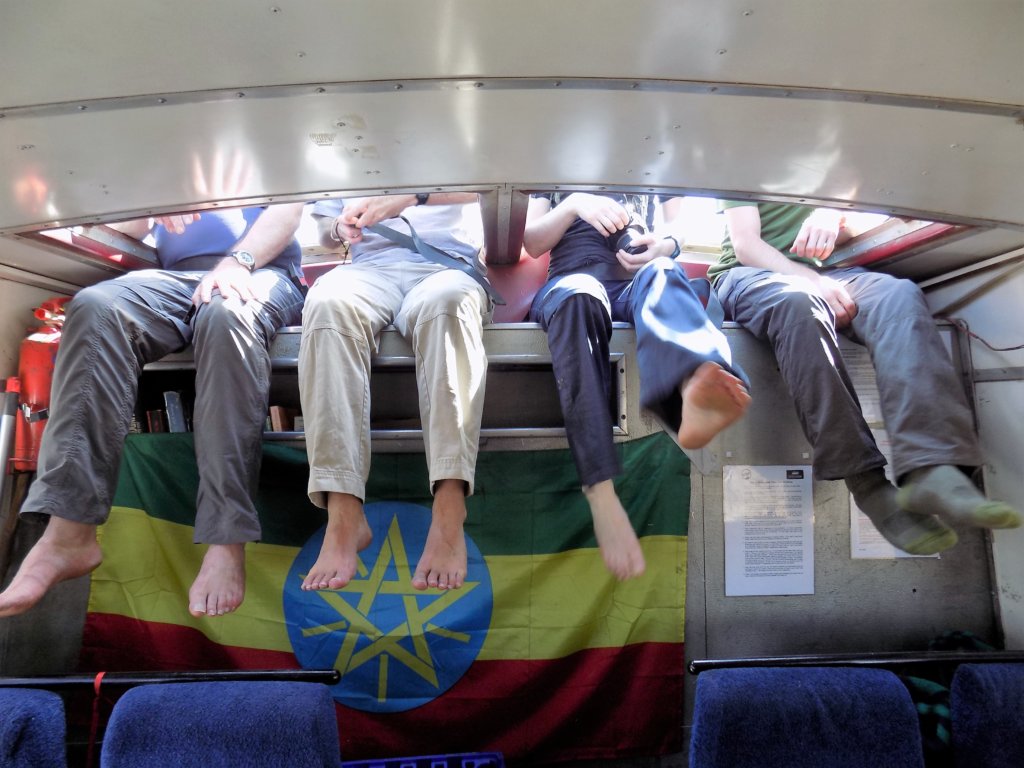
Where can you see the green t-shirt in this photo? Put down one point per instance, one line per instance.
(780, 224)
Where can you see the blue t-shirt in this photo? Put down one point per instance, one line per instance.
(442, 226)
(215, 234)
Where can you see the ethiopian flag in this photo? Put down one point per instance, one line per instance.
(542, 655)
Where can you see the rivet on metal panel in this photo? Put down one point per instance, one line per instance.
(558, 84)
(161, 100)
(240, 95)
(320, 90)
(300, 54)
(398, 86)
(26, 146)
(748, 12)
(82, 107)
(721, 51)
(274, 9)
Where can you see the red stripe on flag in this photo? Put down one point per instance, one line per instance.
(119, 644)
(594, 704)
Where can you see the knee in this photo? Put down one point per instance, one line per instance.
(93, 304)
(457, 300)
(222, 317)
(797, 309)
(907, 298)
(324, 309)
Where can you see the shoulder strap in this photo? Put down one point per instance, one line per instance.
(413, 243)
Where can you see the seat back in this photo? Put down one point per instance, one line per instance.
(804, 717)
(32, 729)
(251, 724)
(986, 704)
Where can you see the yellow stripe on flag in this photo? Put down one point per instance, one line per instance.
(545, 606)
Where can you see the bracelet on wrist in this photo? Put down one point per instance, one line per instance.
(677, 250)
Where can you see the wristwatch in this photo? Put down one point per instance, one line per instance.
(244, 258)
(422, 197)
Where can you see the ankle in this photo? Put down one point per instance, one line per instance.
(867, 482)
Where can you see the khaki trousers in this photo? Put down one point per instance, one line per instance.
(441, 312)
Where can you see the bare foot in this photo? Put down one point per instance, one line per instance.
(347, 534)
(712, 400)
(220, 585)
(615, 535)
(443, 563)
(65, 551)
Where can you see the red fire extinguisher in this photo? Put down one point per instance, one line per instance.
(35, 375)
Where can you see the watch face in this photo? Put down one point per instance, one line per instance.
(244, 258)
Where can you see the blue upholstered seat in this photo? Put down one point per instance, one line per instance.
(32, 729)
(804, 717)
(987, 713)
(223, 724)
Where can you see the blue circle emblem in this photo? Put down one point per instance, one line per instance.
(396, 647)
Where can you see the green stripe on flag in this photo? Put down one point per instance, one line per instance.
(526, 502)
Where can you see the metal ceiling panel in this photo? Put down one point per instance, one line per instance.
(62, 51)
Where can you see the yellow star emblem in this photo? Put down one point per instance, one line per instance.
(384, 642)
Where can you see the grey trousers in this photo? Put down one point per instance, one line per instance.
(112, 330)
(922, 401)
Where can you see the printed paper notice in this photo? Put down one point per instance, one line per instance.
(769, 531)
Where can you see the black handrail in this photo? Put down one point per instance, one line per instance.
(893, 659)
(128, 679)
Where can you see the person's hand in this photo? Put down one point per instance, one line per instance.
(602, 213)
(817, 237)
(655, 247)
(838, 298)
(346, 232)
(230, 279)
(176, 223)
(367, 211)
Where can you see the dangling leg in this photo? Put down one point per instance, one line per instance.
(800, 326)
(112, 330)
(443, 316)
(687, 374)
(344, 314)
(576, 315)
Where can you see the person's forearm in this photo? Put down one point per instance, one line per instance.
(271, 233)
(760, 255)
(543, 234)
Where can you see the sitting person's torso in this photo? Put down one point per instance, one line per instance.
(583, 249)
(442, 226)
(206, 241)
